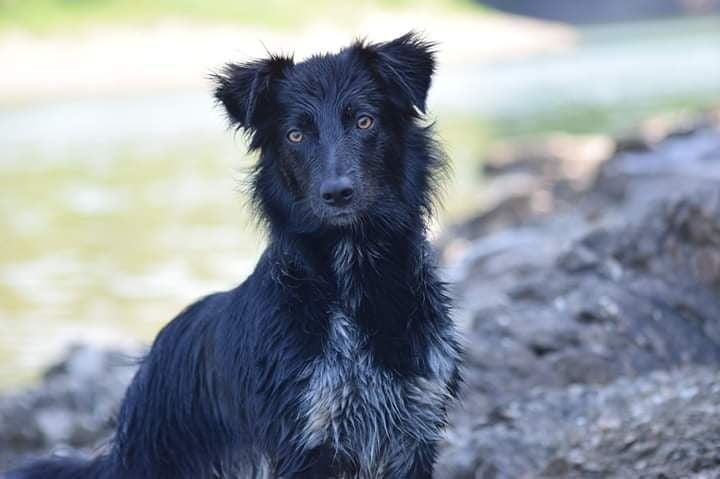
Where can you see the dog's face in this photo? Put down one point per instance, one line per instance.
(329, 127)
(333, 132)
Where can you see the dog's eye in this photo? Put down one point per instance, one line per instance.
(295, 136)
(364, 122)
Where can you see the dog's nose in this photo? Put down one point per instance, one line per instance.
(337, 191)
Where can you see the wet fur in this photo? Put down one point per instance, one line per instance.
(337, 356)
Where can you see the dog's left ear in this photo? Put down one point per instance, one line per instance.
(246, 90)
(404, 65)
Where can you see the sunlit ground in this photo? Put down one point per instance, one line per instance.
(50, 15)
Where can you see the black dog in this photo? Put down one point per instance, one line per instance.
(337, 357)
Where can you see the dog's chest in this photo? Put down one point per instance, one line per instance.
(368, 415)
(364, 413)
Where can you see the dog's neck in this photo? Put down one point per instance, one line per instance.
(378, 281)
(349, 261)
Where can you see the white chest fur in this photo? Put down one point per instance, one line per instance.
(366, 414)
(369, 415)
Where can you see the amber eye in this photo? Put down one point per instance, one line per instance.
(365, 122)
(295, 136)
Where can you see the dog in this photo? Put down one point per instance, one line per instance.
(337, 357)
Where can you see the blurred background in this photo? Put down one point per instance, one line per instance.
(120, 197)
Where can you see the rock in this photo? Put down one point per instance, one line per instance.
(593, 329)
(662, 423)
(533, 179)
(73, 407)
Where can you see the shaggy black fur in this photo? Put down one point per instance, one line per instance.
(337, 356)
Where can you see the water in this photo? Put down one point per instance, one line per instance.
(117, 212)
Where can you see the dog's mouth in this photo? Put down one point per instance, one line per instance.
(334, 217)
(341, 218)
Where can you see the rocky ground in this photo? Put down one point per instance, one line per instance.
(591, 302)
(589, 297)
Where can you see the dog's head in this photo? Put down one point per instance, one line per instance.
(338, 133)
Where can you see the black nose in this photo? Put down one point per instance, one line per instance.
(337, 191)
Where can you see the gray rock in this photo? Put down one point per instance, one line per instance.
(592, 329)
(71, 409)
(664, 423)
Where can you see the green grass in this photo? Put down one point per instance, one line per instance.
(582, 118)
(52, 15)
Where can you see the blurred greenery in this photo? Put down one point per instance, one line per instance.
(45, 15)
(592, 118)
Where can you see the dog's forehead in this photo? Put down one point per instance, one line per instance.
(329, 77)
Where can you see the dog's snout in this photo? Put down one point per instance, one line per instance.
(337, 191)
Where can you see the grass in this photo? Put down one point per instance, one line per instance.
(582, 118)
(53, 15)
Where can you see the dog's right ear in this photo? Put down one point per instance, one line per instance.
(246, 90)
(405, 66)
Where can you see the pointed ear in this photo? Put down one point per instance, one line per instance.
(405, 65)
(246, 90)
